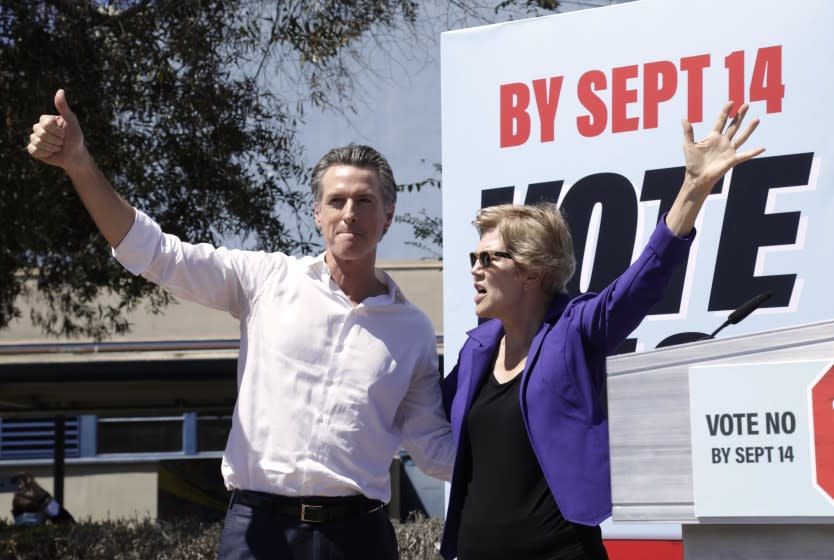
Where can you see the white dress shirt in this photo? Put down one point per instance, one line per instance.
(327, 391)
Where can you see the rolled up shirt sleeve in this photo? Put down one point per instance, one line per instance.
(200, 273)
(137, 249)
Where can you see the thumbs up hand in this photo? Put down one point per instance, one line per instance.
(57, 139)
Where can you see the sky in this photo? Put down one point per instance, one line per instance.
(398, 112)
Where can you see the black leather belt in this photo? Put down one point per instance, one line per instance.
(308, 509)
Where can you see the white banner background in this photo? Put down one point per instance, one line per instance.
(477, 62)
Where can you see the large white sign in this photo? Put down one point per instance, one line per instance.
(755, 452)
(584, 109)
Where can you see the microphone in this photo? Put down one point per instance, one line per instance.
(742, 311)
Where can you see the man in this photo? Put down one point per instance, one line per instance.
(336, 368)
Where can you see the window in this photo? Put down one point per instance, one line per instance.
(158, 434)
(212, 432)
(34, 438)
(90, 436)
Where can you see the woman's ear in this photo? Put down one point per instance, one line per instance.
(532, 279)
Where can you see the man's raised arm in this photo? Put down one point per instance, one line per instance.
(58, 140)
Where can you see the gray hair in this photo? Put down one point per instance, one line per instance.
(363, 157)
(538, 238)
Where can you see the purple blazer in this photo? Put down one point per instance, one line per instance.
(563, 400)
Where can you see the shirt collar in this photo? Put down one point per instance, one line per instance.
(317, 268)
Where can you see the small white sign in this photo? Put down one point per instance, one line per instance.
(753, 449)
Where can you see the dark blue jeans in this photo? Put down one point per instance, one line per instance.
(256, 534)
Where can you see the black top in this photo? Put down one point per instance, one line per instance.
(509, 511)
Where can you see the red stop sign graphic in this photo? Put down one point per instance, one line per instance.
(822, 403)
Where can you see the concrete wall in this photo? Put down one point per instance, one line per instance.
(421, 281)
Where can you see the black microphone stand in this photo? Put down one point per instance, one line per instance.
(741, 312)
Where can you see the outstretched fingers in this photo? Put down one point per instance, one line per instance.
(718, 127)
(688, 133)
(735, 124)
(739, 140)
(749, 154)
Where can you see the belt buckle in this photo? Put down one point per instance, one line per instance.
(307, 509)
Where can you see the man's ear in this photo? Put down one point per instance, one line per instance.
(389, 218)
(316, 215)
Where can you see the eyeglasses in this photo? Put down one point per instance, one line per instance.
(486, 257)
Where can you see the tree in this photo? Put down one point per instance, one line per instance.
(427, 229)
(172, 97)
(179, 104)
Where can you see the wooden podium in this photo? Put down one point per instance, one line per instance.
(732, 438)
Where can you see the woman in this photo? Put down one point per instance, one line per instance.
(527, 396)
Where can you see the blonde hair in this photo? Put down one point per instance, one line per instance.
(538, 238)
